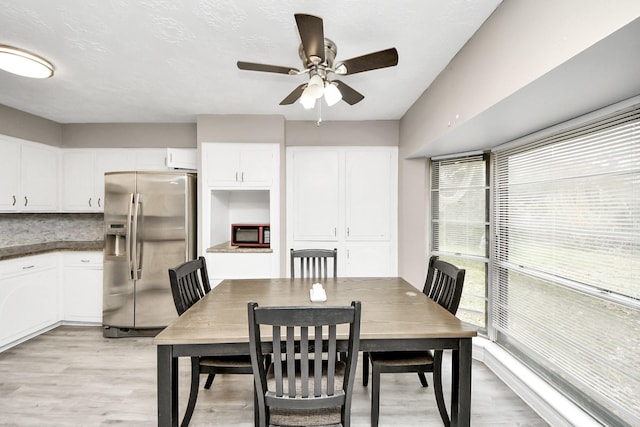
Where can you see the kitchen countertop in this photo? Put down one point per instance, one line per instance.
(39, 248)
(227, 248)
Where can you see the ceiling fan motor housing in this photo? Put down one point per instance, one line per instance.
(330, 52)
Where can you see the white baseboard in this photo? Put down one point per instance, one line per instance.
(20, 340)
(545, 400)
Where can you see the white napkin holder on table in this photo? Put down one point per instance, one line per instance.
(317, 293)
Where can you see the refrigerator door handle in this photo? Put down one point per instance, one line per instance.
(130, 244)
(137, 251)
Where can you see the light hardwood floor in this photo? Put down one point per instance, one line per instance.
(72, 376)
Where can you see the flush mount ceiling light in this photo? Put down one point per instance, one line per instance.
(23, 63)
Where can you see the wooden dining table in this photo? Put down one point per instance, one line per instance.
(395, 317)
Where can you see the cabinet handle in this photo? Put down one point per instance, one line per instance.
(242, 177)
(335, 231)
(236, 176)
(347, 231)
(89, 201)
(14, 200)
(26, 201)
(27, 267)
(99, 205)
(85, 260)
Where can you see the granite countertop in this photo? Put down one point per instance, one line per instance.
(227, 248)
(39, 248)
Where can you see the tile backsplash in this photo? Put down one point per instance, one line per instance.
(31, 228)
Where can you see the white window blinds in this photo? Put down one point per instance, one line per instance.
(566, 258)
(460, 224)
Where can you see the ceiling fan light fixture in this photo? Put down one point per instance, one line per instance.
(23, 63)
(307, 101)
(315, 88)
(332, 94)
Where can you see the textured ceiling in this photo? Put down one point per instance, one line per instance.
(170, 60)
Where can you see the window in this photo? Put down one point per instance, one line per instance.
(566, 261)
(460, 225)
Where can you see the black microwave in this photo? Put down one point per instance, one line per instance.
(251, 235)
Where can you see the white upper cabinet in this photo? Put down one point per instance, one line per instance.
(149, 159)
(78, 183)
(238, 164)
(29, 176)
(83, 176)
(39, 177)
(84, 169)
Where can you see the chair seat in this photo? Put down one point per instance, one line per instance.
(226, 361)
(306, 417)
(401, 358)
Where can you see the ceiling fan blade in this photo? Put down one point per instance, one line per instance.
(312, 36)
(251, 66)
(371, 61)
(349, 95)
(293, 96)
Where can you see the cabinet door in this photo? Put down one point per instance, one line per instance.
(9, 174)
(369, 179)
(256, 166)
(77, 176)
(221, 165)
(82, 286)
(28, 296)
(151, 159)
(372, 260)
(315, 185)
(238, 165)
(39, 178)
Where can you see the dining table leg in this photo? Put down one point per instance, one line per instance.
(167, 386)
(461, 384)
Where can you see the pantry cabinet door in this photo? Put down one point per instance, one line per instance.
(368, 202)
(315, 182)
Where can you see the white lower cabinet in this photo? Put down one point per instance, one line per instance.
(82, 287)
(28, 296)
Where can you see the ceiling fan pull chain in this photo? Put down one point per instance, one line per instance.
(319, 112)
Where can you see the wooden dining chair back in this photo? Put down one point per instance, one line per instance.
(189, 283)
(444, 286)
(305, 384)
(314, 263)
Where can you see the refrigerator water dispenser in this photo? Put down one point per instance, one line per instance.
(115, 239)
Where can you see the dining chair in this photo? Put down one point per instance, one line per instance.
(443, 285)
(314, 263)
(305, 384)
(189, 283)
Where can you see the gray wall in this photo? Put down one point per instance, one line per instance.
(23, 125)
(129, 135)
(379, 133)
(520, 42)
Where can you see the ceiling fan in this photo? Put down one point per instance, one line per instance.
(318, 55)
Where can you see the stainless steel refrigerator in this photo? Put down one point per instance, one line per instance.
(150, 226)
